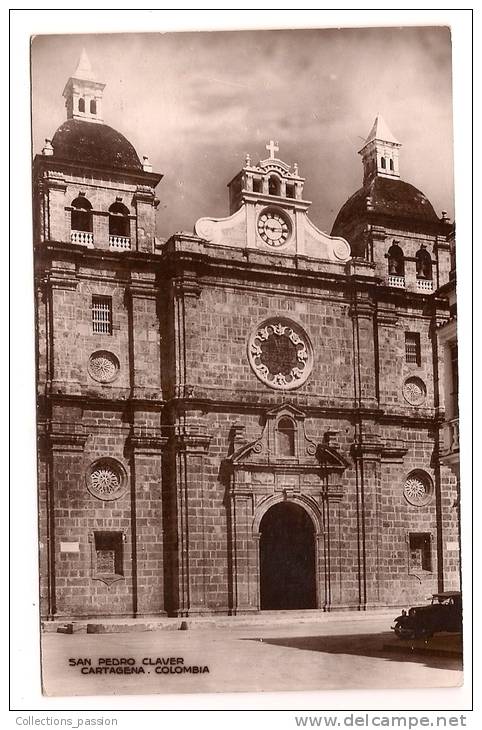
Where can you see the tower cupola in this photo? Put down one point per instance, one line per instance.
(270, 178)
(83, 93)
(380, 152)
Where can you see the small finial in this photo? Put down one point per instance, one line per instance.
(48, 149)
(295, 168)
(247, 161)
(146, 165)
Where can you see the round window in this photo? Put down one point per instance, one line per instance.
(414, 391)
(106, 479)
(280, 354)
(418, 489)
(103, 366)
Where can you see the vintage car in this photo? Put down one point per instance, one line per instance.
(444, 613)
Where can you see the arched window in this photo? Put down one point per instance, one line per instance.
(285, 437)
(274, 185)
(81, 104)
(81, 215)
(119, 220)
(93, 106)
(424, 264)
(391, 164)
(383, 162)
(396, 266)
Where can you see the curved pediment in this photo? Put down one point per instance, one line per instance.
(283, 444)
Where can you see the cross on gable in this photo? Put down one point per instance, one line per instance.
(272, 147)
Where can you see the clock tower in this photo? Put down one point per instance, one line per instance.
(268, 213)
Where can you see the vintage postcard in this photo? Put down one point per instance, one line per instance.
(246, 339)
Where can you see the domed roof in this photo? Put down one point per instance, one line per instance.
(388, 197)
(94, 144)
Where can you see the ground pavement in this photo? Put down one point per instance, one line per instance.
(340, 653)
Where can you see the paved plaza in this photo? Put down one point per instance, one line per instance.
(340, 653)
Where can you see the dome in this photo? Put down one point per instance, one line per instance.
(95, 145)
(386, 197)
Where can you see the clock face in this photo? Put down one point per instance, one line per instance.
(273, 228)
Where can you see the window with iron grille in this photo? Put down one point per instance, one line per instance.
(412, 348)
(420, 551)
(102, 315)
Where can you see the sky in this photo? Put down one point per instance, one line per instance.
(196, 103)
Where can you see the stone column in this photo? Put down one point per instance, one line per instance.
(367, 454)
(144, 234)
(365, 379)
(145, 445)
(331, 542)
(56, 218)
(191, 446)
(63, 371)
(245, 551)
(144, 336)
(65, 444)
(186, 292)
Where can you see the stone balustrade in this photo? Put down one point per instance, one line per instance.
(83, 238)
(451, 437)
(119, 243)
(424, 285)
(396, 281)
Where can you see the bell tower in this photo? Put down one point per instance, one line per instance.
(83, 93)
(268, 213)
(271, 178)
(380, 152)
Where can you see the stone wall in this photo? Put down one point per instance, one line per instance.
(184, 404)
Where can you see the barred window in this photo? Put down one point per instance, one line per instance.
(412, 348)
(108, 547)
(102, 315)
(420, 557)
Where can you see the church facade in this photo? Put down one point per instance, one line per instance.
(247, 417)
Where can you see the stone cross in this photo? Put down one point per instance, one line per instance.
(272, 147)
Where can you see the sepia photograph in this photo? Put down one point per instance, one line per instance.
(246, 361)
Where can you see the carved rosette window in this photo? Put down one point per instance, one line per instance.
(106, 479)
(103, 366)
(414, 391)
(280, 354)
(418, 489)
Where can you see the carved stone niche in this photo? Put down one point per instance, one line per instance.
(283, 457)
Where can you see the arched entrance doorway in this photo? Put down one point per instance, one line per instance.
(287, 558)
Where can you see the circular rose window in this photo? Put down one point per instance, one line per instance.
(417, 489)
(414, 391)
(103, 366)
(280, 354)
(106, 479)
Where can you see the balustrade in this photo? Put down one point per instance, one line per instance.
(396, 281)
(451, 436)
(424, 285)
(119, 243)
(84, 238)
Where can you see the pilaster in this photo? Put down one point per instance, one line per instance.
(145, 445)
(191, 444)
